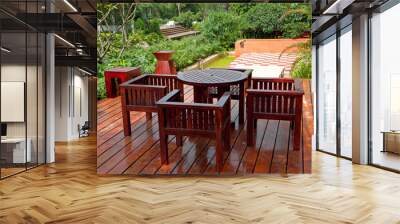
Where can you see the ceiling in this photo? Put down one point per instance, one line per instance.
(327, 13)
(203, 1)
(74, 22)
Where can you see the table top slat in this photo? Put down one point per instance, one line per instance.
(211, 77)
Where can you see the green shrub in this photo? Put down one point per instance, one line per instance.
(302, 69)
(263, 20)
(223, 27)
(186, 19)
(189, 50)
(148, 26)
(296, 21)
(140, 25)
(152, 26)
(272, 20)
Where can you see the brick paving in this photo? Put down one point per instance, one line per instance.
(259, 60)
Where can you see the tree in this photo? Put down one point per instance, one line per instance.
(111, 20)
(271, 20)
(296, 20)
(223, 27)
(186, 19)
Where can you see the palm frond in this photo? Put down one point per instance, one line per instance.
(302, 46)
(292, 12)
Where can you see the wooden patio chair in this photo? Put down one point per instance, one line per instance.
(237, 92)
(275, 99)
(142, 93)
(178, 118)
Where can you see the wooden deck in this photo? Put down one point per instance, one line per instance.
(139, 154)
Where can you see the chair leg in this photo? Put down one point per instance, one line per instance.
(178, 140)
(219, 152)
(126, 118)
(164, 149)
(297, 135)
(148, 116)
(227, 138)
(241, 104)
(250, 129)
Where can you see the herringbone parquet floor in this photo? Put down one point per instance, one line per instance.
(70, 191)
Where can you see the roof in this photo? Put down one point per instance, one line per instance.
(177, 31)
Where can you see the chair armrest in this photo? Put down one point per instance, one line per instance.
(275, 80)
(298, 84)
(170, 97)
(224, 113)
(225, 98)
(142, 86)
(161, 76)
(275, 92)
(175, 104)
(248, 72)
(136, 80)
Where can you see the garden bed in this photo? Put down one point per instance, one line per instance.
(220, 60)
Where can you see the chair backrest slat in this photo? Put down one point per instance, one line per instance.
(194, 117)
(189, 118)
(274, 104)
(273, 84)
(146, 90)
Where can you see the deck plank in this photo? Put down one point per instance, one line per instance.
(279, 158)
(247, 162)
(139, 154)
(267, 148)
(211, 166)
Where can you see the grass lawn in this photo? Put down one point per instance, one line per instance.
(222, 62)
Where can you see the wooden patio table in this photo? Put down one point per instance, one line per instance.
(201, 80)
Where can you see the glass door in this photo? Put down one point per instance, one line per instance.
(15, 150)
(327, 96)
(385, 89)
(346, 71)
(22, 90)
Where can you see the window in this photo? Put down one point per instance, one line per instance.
(22, 78)
(346, 92)
(385, 89)
(327, 95)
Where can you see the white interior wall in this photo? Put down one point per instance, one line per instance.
(71, 102)
(61, 103)
(33, 126)
(14, 73)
